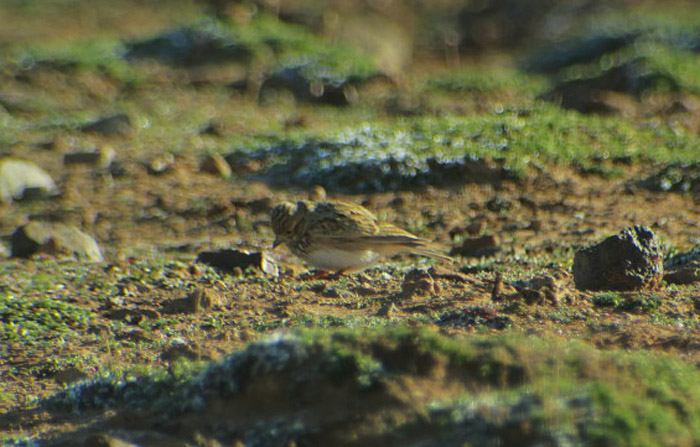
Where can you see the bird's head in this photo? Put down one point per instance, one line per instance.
(287, 221)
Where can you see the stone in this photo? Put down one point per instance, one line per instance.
(228, 260)
(201, 299)
(107, 440)
(478, 247)
(102, 158)
(160, 164)
(418, 282)
(545, 289)
(388, 310)
(317, 193)
(684, 274)
(53, 238)
(630, 260)
(118, 125)
(216, 164)
(20, 178)
(683, 268)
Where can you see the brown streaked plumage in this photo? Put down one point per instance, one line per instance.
(341, 236)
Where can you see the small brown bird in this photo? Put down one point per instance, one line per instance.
(341, 236)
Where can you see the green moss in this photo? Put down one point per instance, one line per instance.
(614, 398)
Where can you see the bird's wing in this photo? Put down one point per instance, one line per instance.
(391, 235)
(342, 220)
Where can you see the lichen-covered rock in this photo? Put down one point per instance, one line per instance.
(371, 159)
(676, 177)
(51, 237)
(110, 126)
(683, 268)
(630, 260)
(17, 176)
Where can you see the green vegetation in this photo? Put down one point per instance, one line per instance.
(628, 303)
(467, 138)
(615, 398)
(503, 144)
(264, 42)
(488, 80)
(33, 320)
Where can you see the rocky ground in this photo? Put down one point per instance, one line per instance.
(113, 329)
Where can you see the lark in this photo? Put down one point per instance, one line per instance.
(342, 237)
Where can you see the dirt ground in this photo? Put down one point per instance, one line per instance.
(149, 303)
(541, 218)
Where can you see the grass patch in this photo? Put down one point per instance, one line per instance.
(430, 150)
(615, 398)
(488, 80)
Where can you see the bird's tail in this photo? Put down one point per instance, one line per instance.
(429, 251)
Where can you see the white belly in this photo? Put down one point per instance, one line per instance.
(333, 259)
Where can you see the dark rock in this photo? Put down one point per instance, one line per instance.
(102, 158)
(685, 274)
(195, 302)
(580, 51)
(313, 82)
(587, 95)
(681, 178)
(478, 247)
(242, 163)
(630, 260)
(227, 260)
(190, 47)
(53, 238)
(255, 206)
(18, 177)
(498, 205)
(111, 126)
(683, 268)
(511, 24)
(361, 163)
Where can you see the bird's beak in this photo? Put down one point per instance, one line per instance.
(277, 243)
